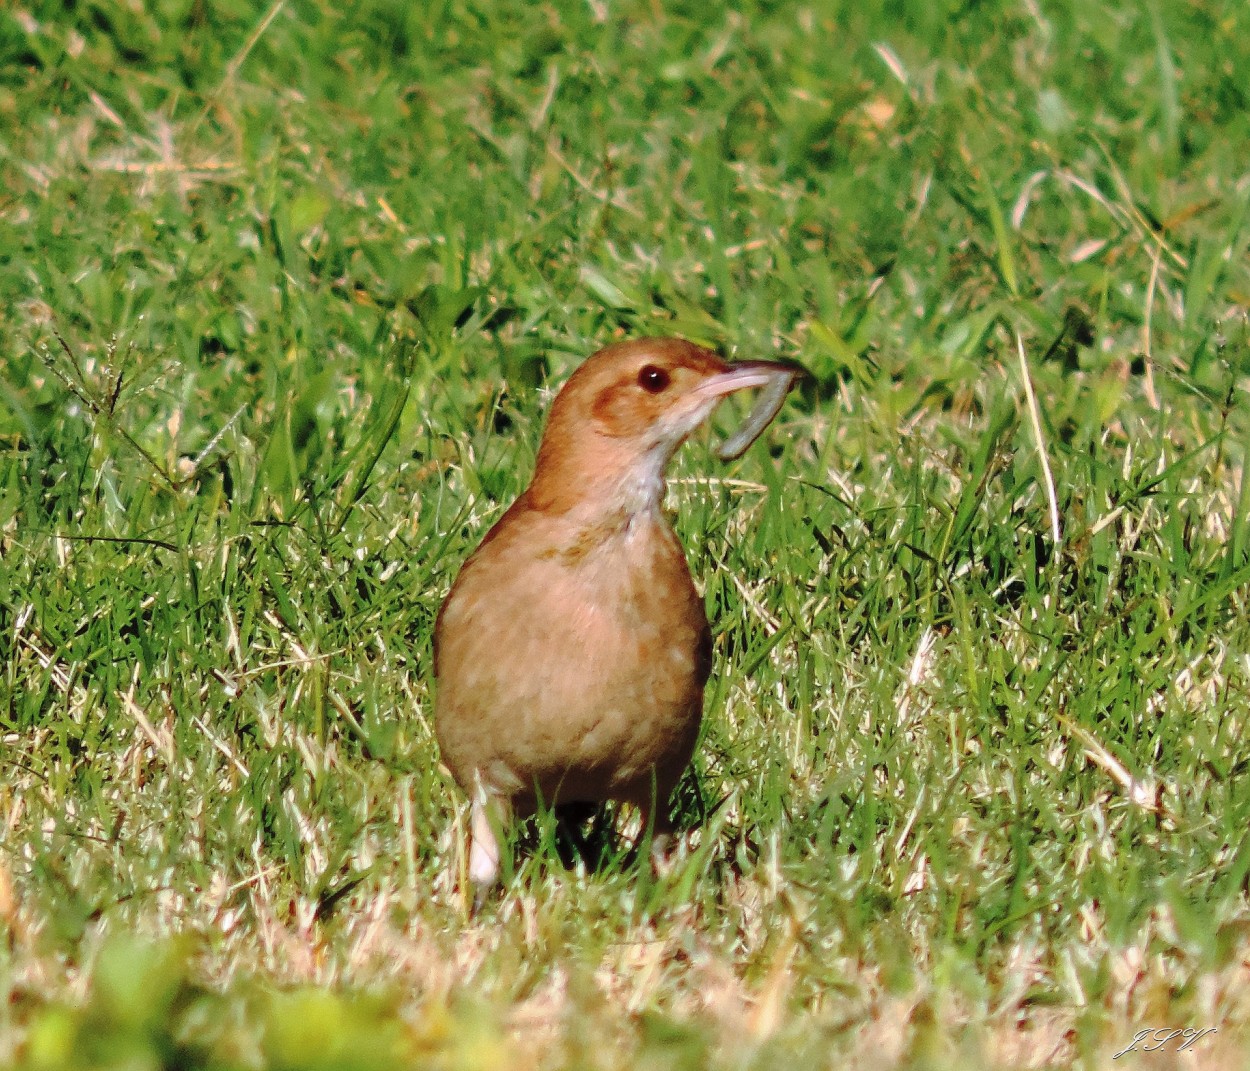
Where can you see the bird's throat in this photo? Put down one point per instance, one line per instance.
(612, 510)
(601, 488)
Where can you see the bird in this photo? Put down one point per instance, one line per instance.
(572, 650)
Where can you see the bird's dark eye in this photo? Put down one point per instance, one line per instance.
(652, 379)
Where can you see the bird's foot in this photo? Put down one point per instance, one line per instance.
(663, 854)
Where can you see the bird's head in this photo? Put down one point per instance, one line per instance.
(617, 422)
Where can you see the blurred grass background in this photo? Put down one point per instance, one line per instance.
(284, 292)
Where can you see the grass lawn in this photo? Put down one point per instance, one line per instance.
(285, 292)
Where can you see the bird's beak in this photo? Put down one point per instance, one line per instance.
(775, 378)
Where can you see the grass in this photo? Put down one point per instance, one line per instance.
(285, 292)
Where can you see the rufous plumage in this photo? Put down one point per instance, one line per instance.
(571, 653)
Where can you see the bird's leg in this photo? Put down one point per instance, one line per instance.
(654, 807)
(662, 849)
(484, 848)
(487, 817)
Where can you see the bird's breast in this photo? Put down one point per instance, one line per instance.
(572, 657)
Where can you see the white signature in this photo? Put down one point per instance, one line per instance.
(1159, 1038)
